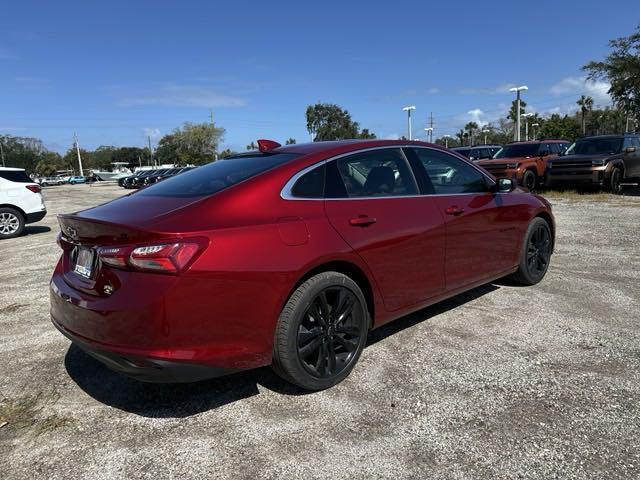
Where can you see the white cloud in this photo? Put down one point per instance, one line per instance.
(154, 133)
(581, 86)
(478, 116)
(173, 95)
(434, 90)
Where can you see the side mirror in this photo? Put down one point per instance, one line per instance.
(629, 149)
(505, 185)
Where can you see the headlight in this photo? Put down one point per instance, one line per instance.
(598, 163)
(513, 165)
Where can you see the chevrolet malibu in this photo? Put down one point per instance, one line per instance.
(287, 256)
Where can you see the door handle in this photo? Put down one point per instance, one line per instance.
(455, 210)
(362, 221)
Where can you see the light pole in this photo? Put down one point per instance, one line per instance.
(446, 141)
(526, 124)
(429, 131)
(535, 130)
(408, 110)
(485, 131)
(516, 134)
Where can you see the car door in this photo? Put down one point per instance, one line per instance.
(373, 202)
(483, 229)
(632, 159)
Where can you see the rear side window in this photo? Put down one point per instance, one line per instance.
(310, 185)
(218, 175)
(19, 176)
(377, 173)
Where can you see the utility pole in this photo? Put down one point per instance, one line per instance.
(75, 139)
(408, 110)
(516, 134)
(150, 151)
(430, 127)
(211, 117)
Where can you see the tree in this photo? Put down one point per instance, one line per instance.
(622, 69)
(227, 152)
(586, 105)
(290, 141)
(326, 121)
(252, 146)
(560, 127)
(191, 144)
(366, 134)
(471, 128)
(513, 111)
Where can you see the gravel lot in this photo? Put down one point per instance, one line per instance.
(501, 382)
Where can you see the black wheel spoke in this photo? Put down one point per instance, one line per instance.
(311, 347)
(348, 345)
(331, 357)
(316, 313)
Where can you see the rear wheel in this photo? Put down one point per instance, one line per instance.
(321, 332)
(11, 223)
(529, 180)
(536, 253)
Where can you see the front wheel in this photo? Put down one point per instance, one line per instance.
(536, 253)
(529, 180)
(616, 180)
(321, 332)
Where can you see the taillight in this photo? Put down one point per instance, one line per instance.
(170, 257)
(34, 188)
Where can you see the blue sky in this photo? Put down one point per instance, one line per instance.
(116, 71)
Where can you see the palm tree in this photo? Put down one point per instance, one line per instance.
(586, 105)
(471, 127)
(460, 136)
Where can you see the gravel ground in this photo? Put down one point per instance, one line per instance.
(501, 382)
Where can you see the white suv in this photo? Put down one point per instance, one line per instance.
(20, 202)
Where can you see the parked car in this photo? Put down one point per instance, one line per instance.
(478, 152)
(526, 162)
(153, 178)
(172, 173)
(287, 256)
(125, 181)
(138, 181)
(48, 181)
(77, 180)
(20, 202)
(606, 161)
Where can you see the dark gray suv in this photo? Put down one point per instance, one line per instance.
(605, 161)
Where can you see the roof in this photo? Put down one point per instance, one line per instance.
(535, 142)
(339, 146)
(620, 135)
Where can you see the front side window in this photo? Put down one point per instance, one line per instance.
(450, 175)
(378, 173)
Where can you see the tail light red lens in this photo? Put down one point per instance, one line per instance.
(170, 257)
(34, 188)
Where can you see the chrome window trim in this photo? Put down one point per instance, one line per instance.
(285, 193)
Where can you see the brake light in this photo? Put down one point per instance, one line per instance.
(34, 188)
(172, 257)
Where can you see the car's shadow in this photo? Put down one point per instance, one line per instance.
(185, 399)
(35, 229)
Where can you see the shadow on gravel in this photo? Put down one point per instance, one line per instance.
(180, 400)
(35, 229)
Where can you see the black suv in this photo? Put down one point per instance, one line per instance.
(478, 152)
(604, 161)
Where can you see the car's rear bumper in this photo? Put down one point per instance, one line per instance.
(146, 369)
(35, 216)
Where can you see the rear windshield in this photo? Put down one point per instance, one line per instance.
(522, 150)
(595, 146)
(19, 176)
(218, 175)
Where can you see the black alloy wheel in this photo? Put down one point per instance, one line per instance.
(329, 332)
(539, 251)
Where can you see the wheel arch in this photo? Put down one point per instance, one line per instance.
(16, 208)
(351, 270)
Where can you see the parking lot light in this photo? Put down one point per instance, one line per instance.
(522, 88)
(408, 110)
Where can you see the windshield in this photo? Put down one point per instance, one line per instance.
(218, 175)
(595, 146)
(518, 150)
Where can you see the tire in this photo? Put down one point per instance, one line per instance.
(529, 180)
(615, 180)
(11, 223)
(536, 253)
(321, 332)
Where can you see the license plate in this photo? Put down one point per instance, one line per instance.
(84, 262)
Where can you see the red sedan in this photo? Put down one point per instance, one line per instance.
(287, 256)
